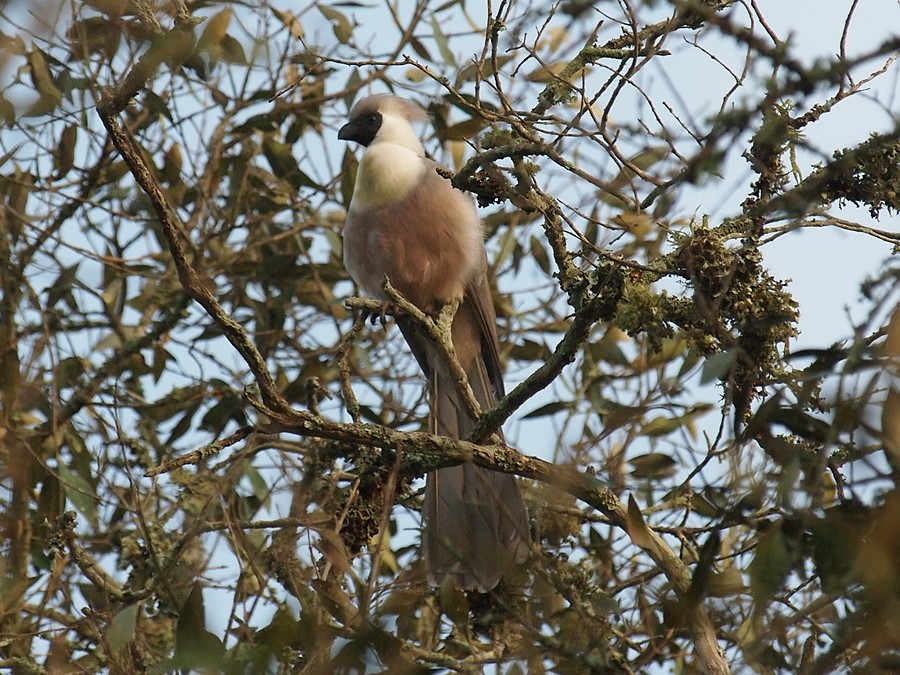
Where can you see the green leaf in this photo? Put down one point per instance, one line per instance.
(41, 77)
(441, 40)
(801, 424)
(121, 628)
(508, 243)
(652, 465)
(727, 583)
(64, 153)
(642, 161)
(716, 367)
(770, 565)
(215, 29)
(547, 409)
(282, 632)
(464, 130)
(230, 408)
(660, 426)
(182, 426)
(638, 530)
(616, 415)
(69, 370)
(837, 540)
(290, 21)
(607, 349)
(261, 488)
(529, 350)
(284, 165)
(161, 357)
(483, 69)
(419, 48)
(232, 50)
(539, 253)
(546, 73)
(280, 156)
(340, 24)
(95, 34)
(79, 492)
(63, 286)
(195, 647)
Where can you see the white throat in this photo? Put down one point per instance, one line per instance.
(390, 167)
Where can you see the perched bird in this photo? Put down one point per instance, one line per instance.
(409, 223)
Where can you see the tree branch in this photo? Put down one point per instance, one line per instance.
(171, 226)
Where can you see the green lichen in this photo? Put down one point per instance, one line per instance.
(645, 311)
(731, 304)
(496, 137)
(868, 174)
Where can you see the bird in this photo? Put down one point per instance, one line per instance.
(407, 222)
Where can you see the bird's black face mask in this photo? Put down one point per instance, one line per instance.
(362, 129)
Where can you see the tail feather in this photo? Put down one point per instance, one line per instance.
(476, 524)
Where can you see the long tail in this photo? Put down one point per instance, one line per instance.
(476, 526)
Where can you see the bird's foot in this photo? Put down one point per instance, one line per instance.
(381, 315)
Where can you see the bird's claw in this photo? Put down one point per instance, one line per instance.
(381, 315)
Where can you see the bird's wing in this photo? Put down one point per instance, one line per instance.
(478, 295)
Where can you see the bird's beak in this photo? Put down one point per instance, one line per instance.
(346, 132)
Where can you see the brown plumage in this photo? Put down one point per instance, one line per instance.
(409, 223)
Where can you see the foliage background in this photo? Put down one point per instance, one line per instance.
(201, 444)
